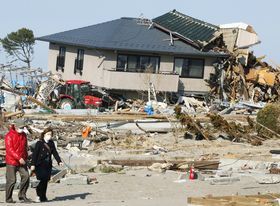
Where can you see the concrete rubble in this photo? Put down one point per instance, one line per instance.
(75, 180)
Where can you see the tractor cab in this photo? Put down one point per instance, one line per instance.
(77, 94)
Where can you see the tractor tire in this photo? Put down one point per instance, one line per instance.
(66, 104)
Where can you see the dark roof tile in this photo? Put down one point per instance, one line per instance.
(124, 34)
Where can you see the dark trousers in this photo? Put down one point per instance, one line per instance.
(41, 189)
(11, 181)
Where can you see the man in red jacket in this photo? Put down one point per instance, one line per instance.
(16, 156)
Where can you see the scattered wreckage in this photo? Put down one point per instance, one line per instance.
(72, 94)
(242, 76)
(55, 93)
(255, 82)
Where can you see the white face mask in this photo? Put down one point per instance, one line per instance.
(20, 130)
(48, 137)
(25, 130)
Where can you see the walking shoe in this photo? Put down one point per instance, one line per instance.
(44, 199)
(37, 199)
(25, 200)
(10, 201)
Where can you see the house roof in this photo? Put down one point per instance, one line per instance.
(125, 34)
(189, 27)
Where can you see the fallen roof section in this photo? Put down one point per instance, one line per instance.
(238, 25)
(189, 27)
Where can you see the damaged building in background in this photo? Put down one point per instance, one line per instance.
(242, 76)
(174, 52)
(238, 38)
(126, 54)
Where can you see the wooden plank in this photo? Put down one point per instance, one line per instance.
(246, 200)
(202, 165)
(97, 118)
(123, 117)
(29, 98)
(197, 127)
(40, 104)
(59, 175)
(8, 115)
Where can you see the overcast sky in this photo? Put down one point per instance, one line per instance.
(51, 16)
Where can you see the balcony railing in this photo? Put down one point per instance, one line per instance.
(140, 81)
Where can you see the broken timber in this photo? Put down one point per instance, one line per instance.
(28, 97)
(100, 118)
(247, 200)
(201, 165)
(58, 176)
(20, 113)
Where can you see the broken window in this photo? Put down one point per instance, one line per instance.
(60, 61)
(79, 62)
(189, 68)
(137, 63)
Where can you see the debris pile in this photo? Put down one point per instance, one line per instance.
(249, 200)
(250, 131)
(256, 82)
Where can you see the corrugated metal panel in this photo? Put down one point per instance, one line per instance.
(190, 28)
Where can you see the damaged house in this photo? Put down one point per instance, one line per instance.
(175, 52)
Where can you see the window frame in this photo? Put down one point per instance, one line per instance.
(79, 61)
(190, 59)
(119, 69)
(138, 62)
(60, 60)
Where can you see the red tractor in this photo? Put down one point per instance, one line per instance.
(79, 94)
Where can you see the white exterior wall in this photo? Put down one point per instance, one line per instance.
(199, 85)
(101, 72)
(93, 67)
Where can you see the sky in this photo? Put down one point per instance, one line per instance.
(52, 16)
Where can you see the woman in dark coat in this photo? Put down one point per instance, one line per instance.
(42, 162)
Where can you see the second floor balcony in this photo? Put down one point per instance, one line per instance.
(140, 81)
